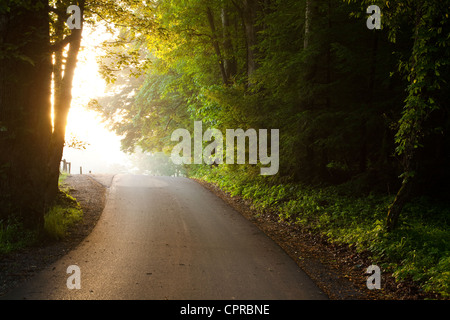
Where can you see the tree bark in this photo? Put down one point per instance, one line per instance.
(215, 43)
(25, 123)
(402, 197)
(308, 15)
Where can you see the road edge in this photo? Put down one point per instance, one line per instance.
(316, 257)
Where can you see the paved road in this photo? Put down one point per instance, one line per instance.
(170, 238)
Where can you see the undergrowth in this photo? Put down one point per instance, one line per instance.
(417, 250)
(13, 236)
(61, 217)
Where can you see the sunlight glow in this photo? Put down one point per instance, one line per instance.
(103, 150)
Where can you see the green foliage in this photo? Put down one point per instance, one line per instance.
(59, 219)
(14, 237)
(333, 106)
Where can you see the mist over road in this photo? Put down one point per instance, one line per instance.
(170, 238)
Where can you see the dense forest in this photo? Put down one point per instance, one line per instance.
(352, 104)
(361, 112)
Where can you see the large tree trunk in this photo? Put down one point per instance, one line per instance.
(25, 122)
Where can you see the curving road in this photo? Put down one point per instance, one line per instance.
(169, 238)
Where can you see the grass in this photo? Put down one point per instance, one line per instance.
(418, 250)
(61, 217)
(65, 213)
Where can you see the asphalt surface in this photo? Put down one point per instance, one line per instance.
(169, 238)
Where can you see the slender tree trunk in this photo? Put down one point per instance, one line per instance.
(308, 14)
(249, 13)
(62, 103)
(410, 161)
(230, 64)
(402, 198)
(310, 17)
(215, 43)
(25, 123)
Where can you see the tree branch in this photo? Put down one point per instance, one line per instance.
(192, 32)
